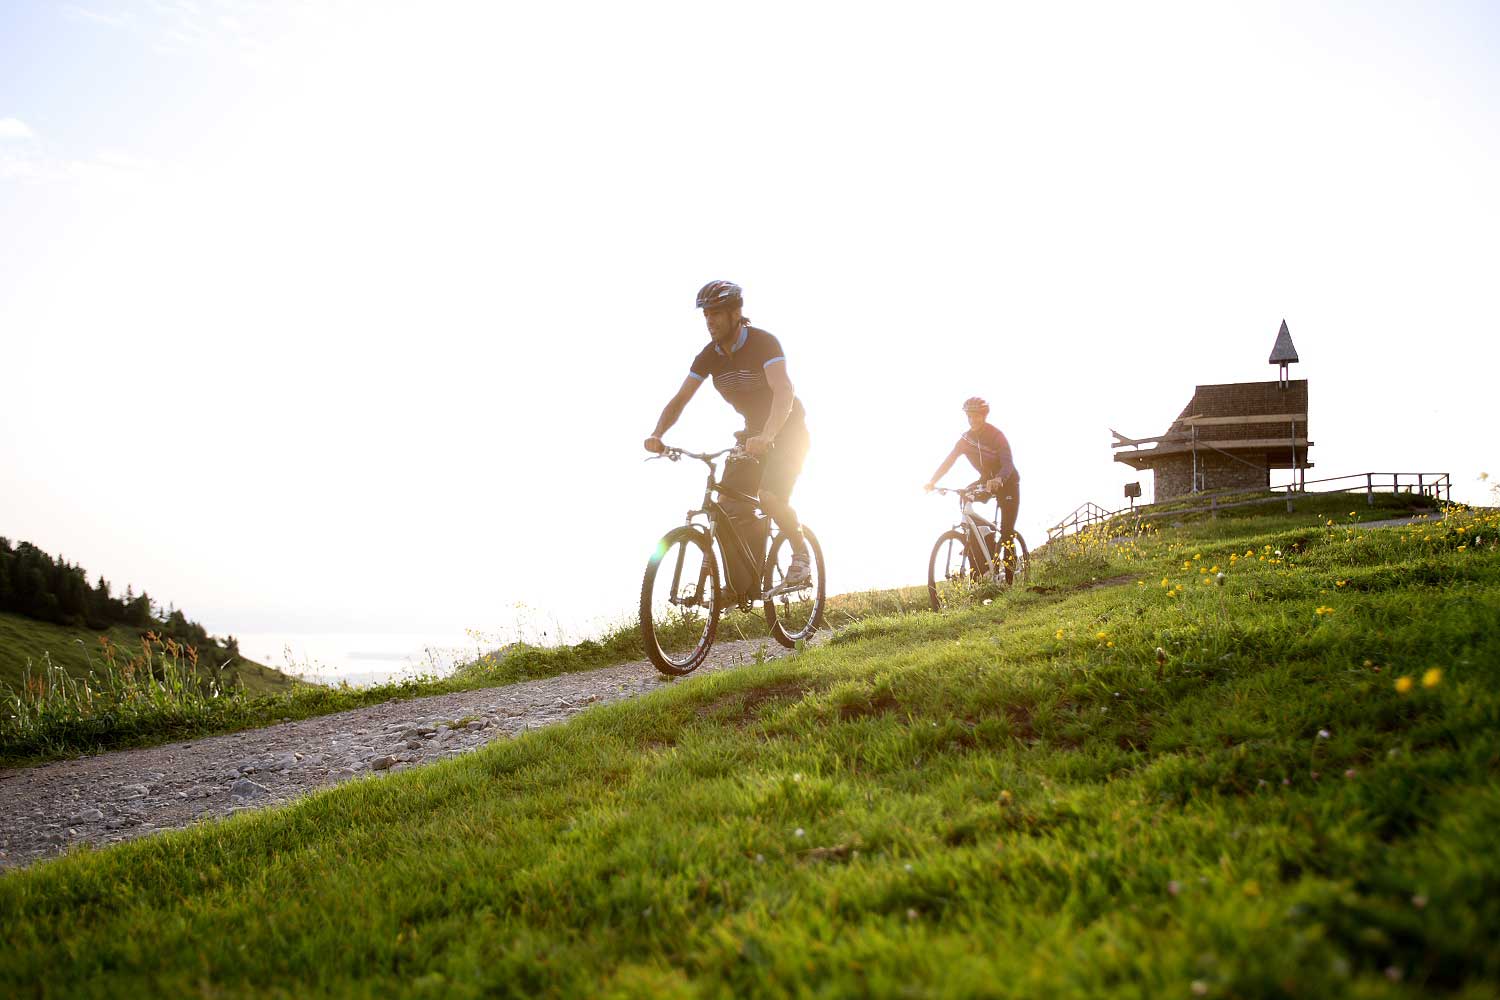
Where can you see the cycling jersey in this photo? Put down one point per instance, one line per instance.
(989, 452)
(740, 376)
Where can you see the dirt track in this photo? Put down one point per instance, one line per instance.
(47, 809)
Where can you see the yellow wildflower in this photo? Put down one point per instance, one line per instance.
(1322, 610)
(1058, 634)
(1403, 685)
(1432, 678)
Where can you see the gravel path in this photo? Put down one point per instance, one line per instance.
(46, 809)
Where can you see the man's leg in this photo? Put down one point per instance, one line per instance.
(1010, 502)
(782, 467)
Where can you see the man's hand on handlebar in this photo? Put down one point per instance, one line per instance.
(654, 445)
(929, 487)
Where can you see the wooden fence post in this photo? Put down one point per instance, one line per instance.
(1369, 489)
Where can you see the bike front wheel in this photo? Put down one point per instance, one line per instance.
(950, 572)
(680, 602)
(793, 616)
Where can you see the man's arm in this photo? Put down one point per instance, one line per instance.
(672, 411)
(782, 396)
(942, 470)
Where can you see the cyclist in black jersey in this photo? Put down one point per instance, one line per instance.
(748, 369)
(988, 451)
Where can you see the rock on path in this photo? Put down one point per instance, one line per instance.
(48, 808)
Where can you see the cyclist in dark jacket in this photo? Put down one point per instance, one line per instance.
(988, 451)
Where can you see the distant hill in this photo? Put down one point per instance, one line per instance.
(76, 650)
(48, 608)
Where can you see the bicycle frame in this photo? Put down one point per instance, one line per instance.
(717, 516)
(976, 526)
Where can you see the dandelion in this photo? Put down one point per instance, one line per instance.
(1462, 547)
(1341, 583)
(799, 832)
(1403, 685)
(1161, 655)
(1432, 678)
(1005, 796)
(1058, 634)
(1323, 610)
(1164, 581)
(1197, 556)
(1219, 579)
(1214, 569)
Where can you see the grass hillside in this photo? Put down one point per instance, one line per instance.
(1242, 757)
(26, 641)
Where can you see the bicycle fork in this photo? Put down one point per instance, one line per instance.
(695, 600)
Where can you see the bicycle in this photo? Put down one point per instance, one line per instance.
(966, 557)
(680, 610)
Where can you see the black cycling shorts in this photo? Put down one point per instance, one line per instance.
(776, 472)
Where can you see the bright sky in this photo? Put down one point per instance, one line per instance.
(352, 316)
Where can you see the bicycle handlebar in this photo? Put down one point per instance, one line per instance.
(972, 495)
(674, 454)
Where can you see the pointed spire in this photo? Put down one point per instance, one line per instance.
(1283, 353)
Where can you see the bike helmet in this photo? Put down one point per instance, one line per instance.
(720, 294)
(976, 404)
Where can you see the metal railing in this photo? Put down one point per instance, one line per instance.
(1438, 485)
(1088, 513)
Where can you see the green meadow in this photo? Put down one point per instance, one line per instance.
(1244, 756)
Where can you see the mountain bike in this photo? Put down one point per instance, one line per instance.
(968, 556)
(683, 593)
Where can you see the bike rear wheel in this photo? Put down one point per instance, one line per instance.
(950, 573)
(794, 616)
(1022, 559)
(679, 601)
